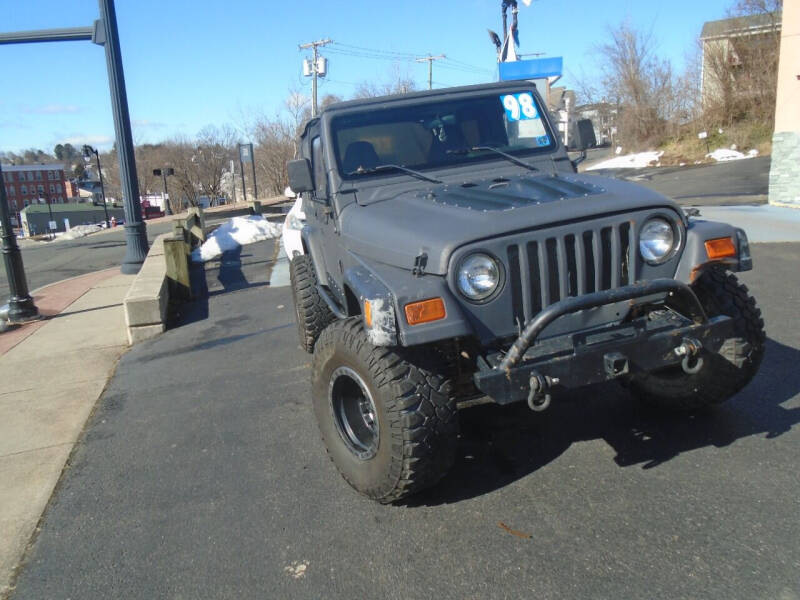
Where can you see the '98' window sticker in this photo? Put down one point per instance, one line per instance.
(519, 107)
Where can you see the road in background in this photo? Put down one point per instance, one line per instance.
(49, 262)
(201, 475)
(735, 182)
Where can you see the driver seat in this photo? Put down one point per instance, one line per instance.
(359, 155)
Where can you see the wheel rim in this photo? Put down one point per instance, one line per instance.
(354, 412)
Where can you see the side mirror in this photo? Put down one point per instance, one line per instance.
(300, 178)
(584, 138)
(584, 135)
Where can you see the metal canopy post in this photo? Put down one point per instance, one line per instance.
(104, 33)
(135, 229)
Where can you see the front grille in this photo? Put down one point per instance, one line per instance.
(548, 269)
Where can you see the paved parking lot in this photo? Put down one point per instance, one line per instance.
(201, 475)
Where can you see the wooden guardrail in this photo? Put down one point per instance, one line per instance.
(188, 233)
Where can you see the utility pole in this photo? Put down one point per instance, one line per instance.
(430, 60)
(314, 71)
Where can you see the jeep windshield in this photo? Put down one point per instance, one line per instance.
(436, 134)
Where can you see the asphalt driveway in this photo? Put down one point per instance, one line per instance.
(201, 475)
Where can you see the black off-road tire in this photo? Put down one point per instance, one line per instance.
(723, 375)
(312, 314)
(416, 414)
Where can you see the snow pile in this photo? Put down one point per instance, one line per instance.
(724, 154)
(79, 231)
(630, 161)
(238, 231)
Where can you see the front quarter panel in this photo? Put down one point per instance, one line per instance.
(694, 258)
(370, 280)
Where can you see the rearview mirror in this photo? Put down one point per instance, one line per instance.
(300, 179)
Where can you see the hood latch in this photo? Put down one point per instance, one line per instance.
(420, 262)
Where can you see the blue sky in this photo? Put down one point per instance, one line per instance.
(194, 63)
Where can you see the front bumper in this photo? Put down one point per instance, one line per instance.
(643, 344)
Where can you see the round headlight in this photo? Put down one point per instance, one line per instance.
(478, 276)
(656, 240)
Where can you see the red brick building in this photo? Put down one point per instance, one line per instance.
(34, 184)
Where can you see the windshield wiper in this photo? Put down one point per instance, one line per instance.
(362, 171)
(513, 159)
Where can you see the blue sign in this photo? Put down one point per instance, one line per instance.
(536, 68)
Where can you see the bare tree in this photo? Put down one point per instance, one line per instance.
(741, 65)
(399, 82)
(213, 153)
(641, 84)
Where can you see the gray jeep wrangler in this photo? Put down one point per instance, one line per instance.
(453, 253)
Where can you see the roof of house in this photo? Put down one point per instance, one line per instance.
(740, 25)
(59, 208)
(34, 167)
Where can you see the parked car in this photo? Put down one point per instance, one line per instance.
(292, 228)
(452, 252)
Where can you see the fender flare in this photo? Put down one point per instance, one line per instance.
(694, 259)
(313, 249)
(377, 304)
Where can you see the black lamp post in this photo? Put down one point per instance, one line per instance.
(87, 152)
(163, 174)
(20, 305)
(50, 212)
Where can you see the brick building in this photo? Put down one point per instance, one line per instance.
(34, 184)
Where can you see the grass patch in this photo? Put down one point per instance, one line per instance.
(688, 149)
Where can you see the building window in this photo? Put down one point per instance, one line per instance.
(14, 205)
(27, 202)
(58, 188)
(30, 175)
(38, 175)
(52, 189)
(23, 189)
(11, 191)
(50, 175)
(40, 188)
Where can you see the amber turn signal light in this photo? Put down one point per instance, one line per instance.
(425, 311)
(368, 313)
(720, 248)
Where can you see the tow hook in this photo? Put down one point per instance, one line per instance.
(690, 350)
(539, 396)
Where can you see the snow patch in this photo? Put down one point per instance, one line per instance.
(79, 231)
(630, 161)
(238, 231)
(383, 331)
(297, 570)
(725, 154)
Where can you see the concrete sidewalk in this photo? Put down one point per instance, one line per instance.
(763, 224)
(53, 371)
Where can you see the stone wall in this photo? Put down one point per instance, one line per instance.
(784, 174)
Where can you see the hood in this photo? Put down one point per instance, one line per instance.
(436, 220)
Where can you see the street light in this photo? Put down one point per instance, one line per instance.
(87, 152)
(20, 305)
(50, 211)
(163, 174)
